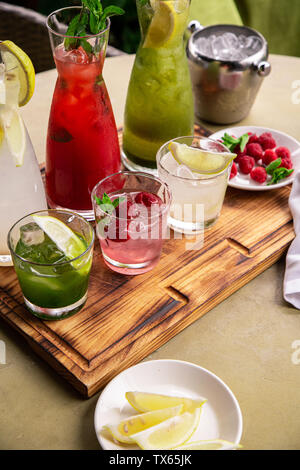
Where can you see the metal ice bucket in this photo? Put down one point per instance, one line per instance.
(225, 90)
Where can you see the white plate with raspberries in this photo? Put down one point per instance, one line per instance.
(269, 160)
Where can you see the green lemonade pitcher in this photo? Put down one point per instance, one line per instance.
(159, 104)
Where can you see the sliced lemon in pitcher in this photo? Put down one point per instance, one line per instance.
(169, 434)
(168, 21)
(15, 58)
(122, 431)
(65, 239)
(12, 127)
(210, 444)
(2, 84)
(144, 401)
(201, 161)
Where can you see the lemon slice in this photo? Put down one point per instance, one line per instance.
(15, 58)
(169, 434)
(2, 84)
(210, 444)
(14, 131)
(200, 161)
(168, 22)
(135, 424)
(144, 401)
(65, 239)
(162, 24)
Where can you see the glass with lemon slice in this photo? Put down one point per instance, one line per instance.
(196, 170)
(21, 188)
(159, 103)
(52, 254)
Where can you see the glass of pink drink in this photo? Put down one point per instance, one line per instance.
(82, 140)
(131, 210)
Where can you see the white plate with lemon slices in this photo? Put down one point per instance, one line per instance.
(167, 404)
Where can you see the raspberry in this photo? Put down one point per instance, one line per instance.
(259, 174)
(269, 156)
(233, 172)
(283, 152)
(255, 151)
(239, 153)
(286, 163)
(253, 138)
(267, 141)
(147, 199)
(246, 164)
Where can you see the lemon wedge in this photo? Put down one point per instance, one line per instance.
(138, 423)
(12, 127)
(169, 434)
(65, 239)
(15, 58)
(168, 22)
(210, 444)
(144, 401)
(201, 161)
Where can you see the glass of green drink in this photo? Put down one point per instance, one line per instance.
(52, 253)
(159, 105)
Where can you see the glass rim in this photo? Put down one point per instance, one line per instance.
(87, 36)
(204, 176)
(61, 263)
(140, 173)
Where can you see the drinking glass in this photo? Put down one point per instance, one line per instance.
(53, 286)
(197, 199)
(131, 234)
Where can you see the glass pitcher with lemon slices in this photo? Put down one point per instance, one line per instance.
(21, 187)
(159, 104)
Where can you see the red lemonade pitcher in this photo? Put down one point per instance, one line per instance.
(82, 140)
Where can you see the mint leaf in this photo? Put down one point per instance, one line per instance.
(112, 10)
(107, 205)
(91, 20)
(279, 174)
(86, 45)
(231, 142)
(244, 141)
(72, 31)
(273, 165)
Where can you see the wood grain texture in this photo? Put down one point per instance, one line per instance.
(126, 318)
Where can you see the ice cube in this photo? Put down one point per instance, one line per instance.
(253, 44)
(231, 40)
(204, 46)
(184, 172)
(169, 163)
(242, 40)
(220, 48)
(31, 234)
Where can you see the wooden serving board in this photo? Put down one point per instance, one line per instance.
(126, 318)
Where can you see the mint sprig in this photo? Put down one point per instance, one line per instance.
(278, 173)
(107, 205)
(91, 20)
(231, 142)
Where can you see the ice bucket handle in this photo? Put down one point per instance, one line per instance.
(263, 68)
(194, 25)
